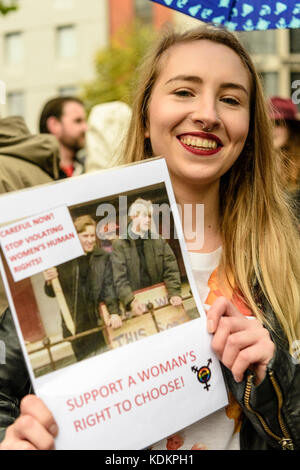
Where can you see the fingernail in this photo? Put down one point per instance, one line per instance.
(236, 378)
(53, 430)
(210, 326)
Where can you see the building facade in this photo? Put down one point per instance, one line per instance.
(47, 48)
(276, 54)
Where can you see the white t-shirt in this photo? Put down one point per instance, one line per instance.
(216, 431)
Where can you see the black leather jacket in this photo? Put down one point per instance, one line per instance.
(268, 423)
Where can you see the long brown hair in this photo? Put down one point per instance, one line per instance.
(260, 242)
(291, 156)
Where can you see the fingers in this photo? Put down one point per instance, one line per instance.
(115, 321)
(37, 424)
(244, 360)
(35, 429)
(238, 342)
(221, 307)
(28, 433)
(14, 442)
(238, 351)
(226, 336)
(35, 407)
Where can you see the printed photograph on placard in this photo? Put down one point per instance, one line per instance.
(128, 283)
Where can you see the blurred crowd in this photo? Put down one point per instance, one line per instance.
(68, 144)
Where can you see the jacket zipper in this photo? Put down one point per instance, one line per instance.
(285, 441)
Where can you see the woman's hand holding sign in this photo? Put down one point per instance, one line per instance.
(239, 343)
(35, 429)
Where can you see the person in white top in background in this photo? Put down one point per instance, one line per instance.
(107, 126)
(199, 103)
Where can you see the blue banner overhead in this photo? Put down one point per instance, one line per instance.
(241, 15)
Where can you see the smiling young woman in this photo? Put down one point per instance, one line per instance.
(199, 103)
(240, 182)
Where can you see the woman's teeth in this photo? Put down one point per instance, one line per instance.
(197, 142)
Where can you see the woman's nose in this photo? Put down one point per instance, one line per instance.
(205, 113)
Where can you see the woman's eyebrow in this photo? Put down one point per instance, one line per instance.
(186, 78)
(196, 79)
(236, 86)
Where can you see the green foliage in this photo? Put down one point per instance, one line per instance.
(116, 67)
(6, 6)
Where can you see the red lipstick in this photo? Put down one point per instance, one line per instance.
(199, 150)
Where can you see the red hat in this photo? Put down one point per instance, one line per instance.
(283, 109)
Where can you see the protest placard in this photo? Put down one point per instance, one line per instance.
(37, 243)
(153, 372)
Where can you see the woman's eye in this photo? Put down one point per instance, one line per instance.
(230, 100)
(183, 93)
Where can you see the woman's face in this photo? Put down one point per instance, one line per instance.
(88, 238)
(199, 111)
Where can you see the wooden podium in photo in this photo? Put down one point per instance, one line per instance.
(59, 294)
(159, 316)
